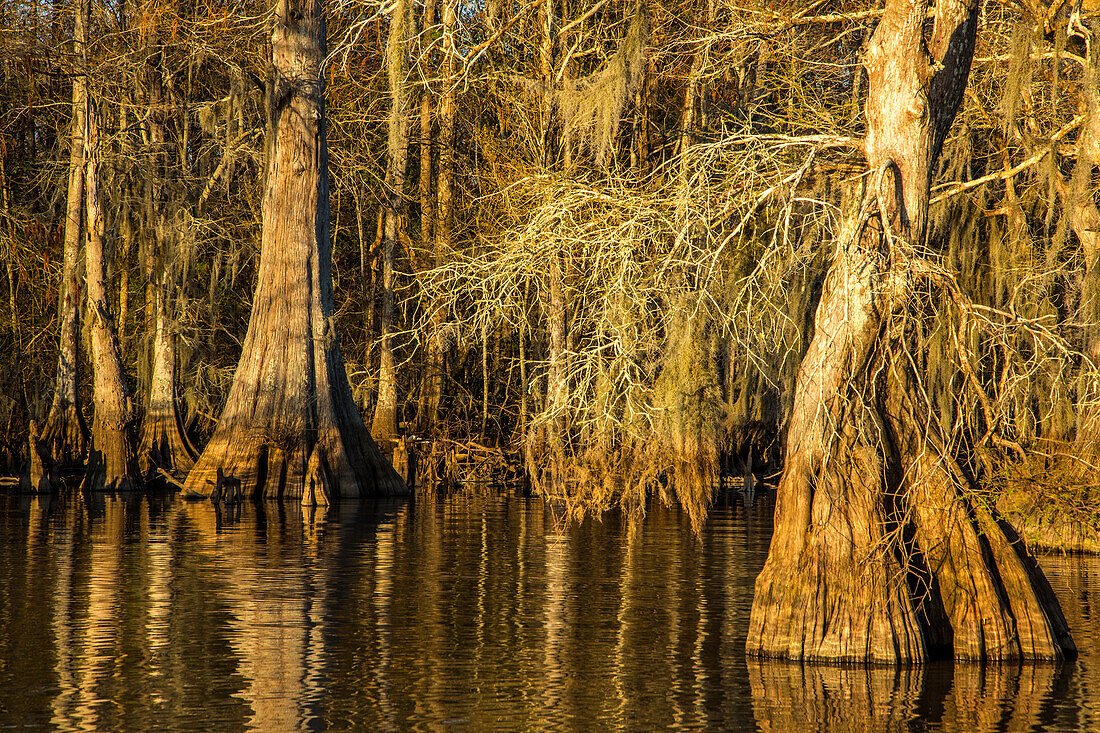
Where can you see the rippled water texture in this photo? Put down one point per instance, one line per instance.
(465, 614)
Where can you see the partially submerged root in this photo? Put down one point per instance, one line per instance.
(111, 464)
(830, 590)
(39, 478)
(317, 472)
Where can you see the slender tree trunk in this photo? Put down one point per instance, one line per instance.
(556, 388)
(427, 214)
(111, 466)
(290, 427)
(433, 392)
(64, 435)
(546, 77)
(163, 443)
(878, 554)
(5, 207)
(1079, 196)
(384, 427)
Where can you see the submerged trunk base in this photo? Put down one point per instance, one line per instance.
(897, 564)
(65, 437)
(333, 467)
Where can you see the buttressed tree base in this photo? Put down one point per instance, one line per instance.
(290, 427)
(878, 553)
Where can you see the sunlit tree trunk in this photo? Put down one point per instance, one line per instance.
(64, 434)
(878, 553)
(384, 426)
(290, 427)
(433, 392)
(111, 465)
(1079, 195)
(164, 443)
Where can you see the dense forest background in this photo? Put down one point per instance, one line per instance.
(580, 243)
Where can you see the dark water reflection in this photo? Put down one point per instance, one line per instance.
(468, 614)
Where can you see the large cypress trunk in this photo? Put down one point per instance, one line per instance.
(111, 465)
(878, 553)
(65, 436)
(290, 427)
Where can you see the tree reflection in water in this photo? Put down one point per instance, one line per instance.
(135, 613)
(946, 697)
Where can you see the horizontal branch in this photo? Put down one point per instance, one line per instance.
(1009, 173)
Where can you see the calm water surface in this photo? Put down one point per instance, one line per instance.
(465, 614)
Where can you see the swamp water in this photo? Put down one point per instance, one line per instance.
(136, 614)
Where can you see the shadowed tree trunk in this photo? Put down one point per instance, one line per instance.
(64, 435)
(290, 427)
(878, 554)
(111, 465)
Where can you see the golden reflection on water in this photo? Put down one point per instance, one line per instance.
(134, 613)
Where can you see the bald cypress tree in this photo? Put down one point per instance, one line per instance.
(290, 427)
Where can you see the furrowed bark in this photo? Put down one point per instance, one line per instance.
(878, 553)
(290, 427)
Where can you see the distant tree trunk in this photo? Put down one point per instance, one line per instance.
(557, 398)
(546, 78)
(433, 391)
(5, 207)
(164, 443)
(427, 214)
(111, 466)
(290, 427)
(1079, 196)
(64, 435)
(384, 427)
(878, 554)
